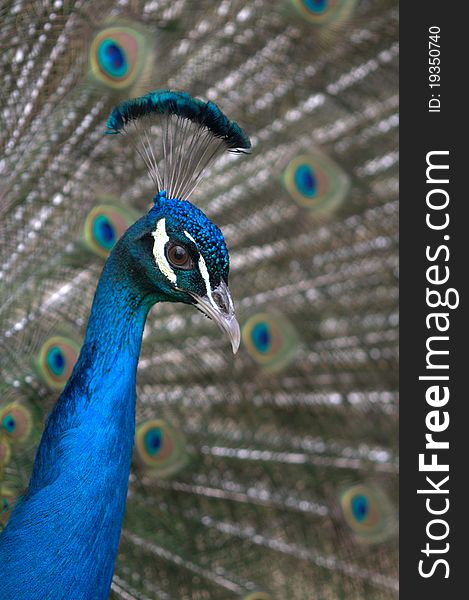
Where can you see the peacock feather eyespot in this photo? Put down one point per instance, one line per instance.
(104, 225)
(118, 56)
(316, 182)
(270, 339)
(160, 447)
(56, 360)
(15, 422)
(366, 512)
(324, 12)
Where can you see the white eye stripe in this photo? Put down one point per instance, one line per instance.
(188, 236)
(203, 270)
(206, 277)
(161, 239)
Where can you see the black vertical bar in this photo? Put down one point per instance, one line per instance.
(423, 131)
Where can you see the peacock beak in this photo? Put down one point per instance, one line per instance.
(218, 305)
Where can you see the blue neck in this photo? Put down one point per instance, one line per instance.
(99, 398)
(78, 488)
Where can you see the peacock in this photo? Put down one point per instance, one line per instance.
(143, 454)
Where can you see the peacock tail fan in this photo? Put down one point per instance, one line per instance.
(274, 475)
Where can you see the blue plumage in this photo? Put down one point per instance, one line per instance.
(62, 537)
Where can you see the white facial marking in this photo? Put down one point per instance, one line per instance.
(161, 239)
(203, 271)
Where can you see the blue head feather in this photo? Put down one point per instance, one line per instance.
(210, 240)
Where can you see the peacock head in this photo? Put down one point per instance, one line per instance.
(185, 259)
(183, 253)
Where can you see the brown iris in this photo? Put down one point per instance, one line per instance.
(179, 257)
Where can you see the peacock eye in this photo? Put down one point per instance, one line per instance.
(179, 257)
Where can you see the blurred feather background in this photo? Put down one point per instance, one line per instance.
(272, 475)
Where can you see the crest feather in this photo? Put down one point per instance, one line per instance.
(178, 137)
